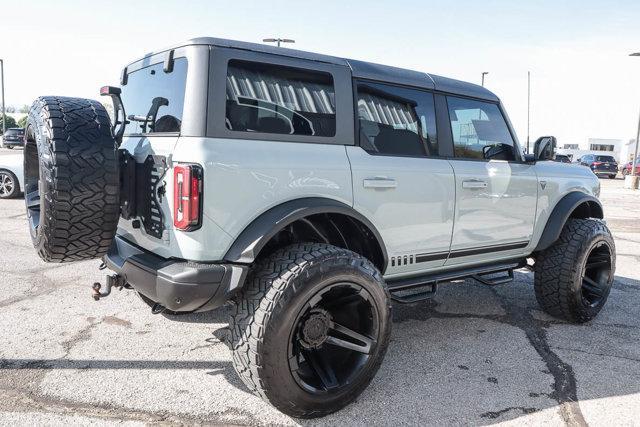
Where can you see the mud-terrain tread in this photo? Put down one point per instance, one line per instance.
(264, 288)
(556, 268)
(80, 177)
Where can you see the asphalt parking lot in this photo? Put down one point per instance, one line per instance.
(473, 355)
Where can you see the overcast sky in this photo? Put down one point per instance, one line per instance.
(584, 84)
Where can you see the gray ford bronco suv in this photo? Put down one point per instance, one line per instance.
(308, 192)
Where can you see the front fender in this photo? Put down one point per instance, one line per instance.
(589, 207)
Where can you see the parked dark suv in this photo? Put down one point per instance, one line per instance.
(13, 137)
(601, 165)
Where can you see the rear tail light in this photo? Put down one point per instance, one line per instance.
(187, 197)
(597, 163)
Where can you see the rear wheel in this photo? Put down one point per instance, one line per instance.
(9, 186)
(573, 277)
(311, 328)
(71, 179)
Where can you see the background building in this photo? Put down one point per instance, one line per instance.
(605, 146)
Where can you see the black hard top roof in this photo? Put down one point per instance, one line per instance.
(359, 69)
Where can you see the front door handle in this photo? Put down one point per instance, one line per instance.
(380, 182)
(474, 183)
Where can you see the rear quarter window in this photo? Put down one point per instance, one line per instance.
(154, 100)
(277, 99)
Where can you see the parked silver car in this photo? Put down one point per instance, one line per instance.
(11, 172)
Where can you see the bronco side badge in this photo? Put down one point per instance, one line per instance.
(543, 184)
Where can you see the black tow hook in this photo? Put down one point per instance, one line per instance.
(113, 280)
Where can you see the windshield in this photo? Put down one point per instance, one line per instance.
(153, 99)
(605, 159)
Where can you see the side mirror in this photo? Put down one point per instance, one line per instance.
(545, 148)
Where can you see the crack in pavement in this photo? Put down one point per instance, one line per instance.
(497, 414)
(27, 400)
(564, 381)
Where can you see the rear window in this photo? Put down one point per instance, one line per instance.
(605, 159)
(11, 132)
(154, 100)
(281, 100)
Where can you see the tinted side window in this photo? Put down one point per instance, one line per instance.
(395, 120)
(154, 100)
(276, 99)
(479, 130)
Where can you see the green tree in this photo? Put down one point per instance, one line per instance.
(11, 122)
(24, 109)
(22, 123)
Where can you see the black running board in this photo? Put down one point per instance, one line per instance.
(398, 287)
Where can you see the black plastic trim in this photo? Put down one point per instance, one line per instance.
(488, 249)
(178, 285)
(256, 235)
(561, 213)
(431, 257)
(405, 283)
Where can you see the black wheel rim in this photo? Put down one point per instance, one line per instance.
(32, 180)
(6, 184)
(596, 275)
(334, 336)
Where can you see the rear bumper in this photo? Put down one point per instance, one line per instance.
(178, 285)
(11, 143)
(605, 171)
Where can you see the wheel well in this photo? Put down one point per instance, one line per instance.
(336, 229)
(586, 210)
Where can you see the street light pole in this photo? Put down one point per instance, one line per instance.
(278, 41)
(528, 106)
(635, 154)
(484, 73)
(4, 115)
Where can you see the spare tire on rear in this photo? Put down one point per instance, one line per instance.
(71, 181)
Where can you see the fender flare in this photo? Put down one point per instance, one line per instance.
(561, 213)
(257, 234)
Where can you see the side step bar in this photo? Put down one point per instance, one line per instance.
(398, 288)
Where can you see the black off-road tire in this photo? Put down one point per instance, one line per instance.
(263, 316)
(71, 179)
(560, 271)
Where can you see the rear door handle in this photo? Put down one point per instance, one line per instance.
(474, 183)
(379, 182)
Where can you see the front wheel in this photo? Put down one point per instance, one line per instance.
(311, 328)
(573, 277)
